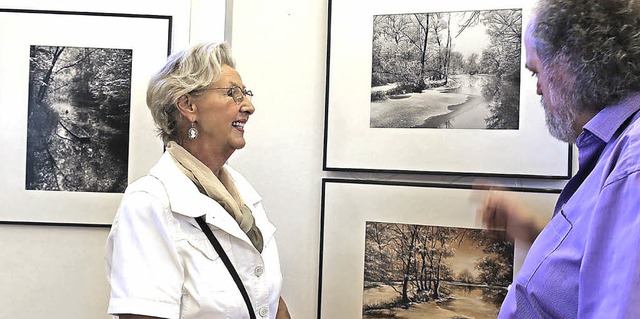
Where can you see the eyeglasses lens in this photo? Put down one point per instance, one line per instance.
(239, 94)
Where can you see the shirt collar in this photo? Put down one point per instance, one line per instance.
(184, 197)
(607, 122)
(183, 193)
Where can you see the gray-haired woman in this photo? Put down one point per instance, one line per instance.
(160, 262)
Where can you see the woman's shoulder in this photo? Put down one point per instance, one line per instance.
(147, 183)
(146, 190)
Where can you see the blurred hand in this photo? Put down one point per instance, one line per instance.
(499, 211)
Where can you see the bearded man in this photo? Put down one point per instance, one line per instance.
(585, 263)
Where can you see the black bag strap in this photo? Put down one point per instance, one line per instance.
(225, 259)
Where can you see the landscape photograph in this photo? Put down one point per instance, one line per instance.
(425, 271)
(78, 119)
(447, 70)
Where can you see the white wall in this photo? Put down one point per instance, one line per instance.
(280, 50)
(52, 272)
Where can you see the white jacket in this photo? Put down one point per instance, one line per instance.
(160, 263)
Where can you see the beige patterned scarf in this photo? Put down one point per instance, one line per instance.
(222, 190)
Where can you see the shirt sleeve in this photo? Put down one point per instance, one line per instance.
(143, 266)
(610, 271)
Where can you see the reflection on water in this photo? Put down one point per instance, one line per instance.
(472, 113)
(471, 84)
(478, 302)
(458, 301)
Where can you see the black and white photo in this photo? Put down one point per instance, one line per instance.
(76, 126)
(78, 122)
(424, 87)
(457, 70)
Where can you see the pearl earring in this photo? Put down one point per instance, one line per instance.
(193, 131)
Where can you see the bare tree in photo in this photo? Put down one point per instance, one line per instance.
(434, 271)
(456, 70)
(78, 119)
(502, 58)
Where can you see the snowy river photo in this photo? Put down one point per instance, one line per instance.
(461, 107)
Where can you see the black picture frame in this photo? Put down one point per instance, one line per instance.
(146, 37)
(347, 205)
(352, 145)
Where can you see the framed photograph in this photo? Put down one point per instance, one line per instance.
(435, 87)
(76, 128)
(391, 249)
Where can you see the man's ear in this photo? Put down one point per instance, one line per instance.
(187, 107)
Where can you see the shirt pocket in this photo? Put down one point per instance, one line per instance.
(207, 262)
(214, 290)
(201, 243)
(546, 245)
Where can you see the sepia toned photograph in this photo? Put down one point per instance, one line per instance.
(423, 271)
(78, 119)
(391, 249)
(454, 70)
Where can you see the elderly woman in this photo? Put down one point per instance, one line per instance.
(160, 261)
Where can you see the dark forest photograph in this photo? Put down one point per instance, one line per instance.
(78, 119)
(455, 70)
(422, 271)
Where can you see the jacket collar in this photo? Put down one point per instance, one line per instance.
(608, 121)
(186, 200)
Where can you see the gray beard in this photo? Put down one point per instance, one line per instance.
(560, 123)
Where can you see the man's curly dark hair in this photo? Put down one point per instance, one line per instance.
(598, 41)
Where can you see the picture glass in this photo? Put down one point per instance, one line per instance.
(455, 70)
(76, 126)
(78, 119)
(441, 272)
(401, 250)
(426, 87)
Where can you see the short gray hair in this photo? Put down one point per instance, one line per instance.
(187, 71)
(597, 41)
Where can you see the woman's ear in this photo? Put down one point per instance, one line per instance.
(187, 107)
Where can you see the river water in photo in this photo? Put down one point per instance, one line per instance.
(465, 302)
(460, 106)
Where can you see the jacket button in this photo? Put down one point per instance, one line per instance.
(259, 271)
(263, 312)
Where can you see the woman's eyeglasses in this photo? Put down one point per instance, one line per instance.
(236, 92)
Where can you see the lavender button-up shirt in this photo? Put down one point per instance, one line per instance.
(586, 261)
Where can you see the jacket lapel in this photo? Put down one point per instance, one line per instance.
(186, 200)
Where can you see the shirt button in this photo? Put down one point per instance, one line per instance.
(259, 271)
(263, 312)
